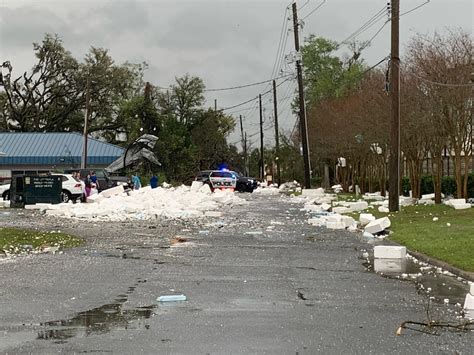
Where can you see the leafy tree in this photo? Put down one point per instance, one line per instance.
(326, 75)
(52, 96)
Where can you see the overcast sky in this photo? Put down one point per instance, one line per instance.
(225, 42)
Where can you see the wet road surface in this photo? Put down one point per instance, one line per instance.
(258, 280)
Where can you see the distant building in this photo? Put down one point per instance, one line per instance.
(32, 152)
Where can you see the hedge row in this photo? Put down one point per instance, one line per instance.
(448, 185)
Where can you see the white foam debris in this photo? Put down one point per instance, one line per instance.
(147, 203)
(340, 210)
(390, 252)
(458, 203)
(426, 202)
(366, 218)
(377, 226)
(113, 191)
(312, 192)
(373, 196)
(383, 209)
(268, 190)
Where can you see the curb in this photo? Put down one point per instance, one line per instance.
(456, 271)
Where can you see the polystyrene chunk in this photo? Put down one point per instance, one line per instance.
(426, 202)
(406, 201)
(383, 209)
(471, 288)
(196, 185)
(335, 225)
(462, 206)
(366, 218)
(455, 201)
(312, 192)
(469, 302)
(348, 221)
(390, 252)
(113, 191)
(95, 198)
(379, 225)
(357, 206)
(341, 210)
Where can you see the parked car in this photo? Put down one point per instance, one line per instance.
(245, 184)
(72, 189)
(105, 180)
(217, 179)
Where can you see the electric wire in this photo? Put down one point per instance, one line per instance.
(254, 98)
(415, 8)
(369, 23)
(314, 10)
(246, 85)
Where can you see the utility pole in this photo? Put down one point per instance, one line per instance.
(262, 166)
(303, 126)
(247, 169)
(215, 105)
(394, 177)
(277, 137)
(244, 143)
(86, 121)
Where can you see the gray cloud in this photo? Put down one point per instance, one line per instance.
(226, 42)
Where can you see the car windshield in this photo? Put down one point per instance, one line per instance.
(222, 174)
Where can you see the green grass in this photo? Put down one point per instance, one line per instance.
(15, 241)
(414, 227)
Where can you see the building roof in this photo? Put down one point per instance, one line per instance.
(54, 148)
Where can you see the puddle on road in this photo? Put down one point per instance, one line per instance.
(427, 278)
(98, 320)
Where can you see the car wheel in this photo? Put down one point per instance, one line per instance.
(65, 196)
(6, 195)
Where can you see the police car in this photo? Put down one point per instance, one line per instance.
(218, 179)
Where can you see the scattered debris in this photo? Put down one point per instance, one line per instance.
(178, 239)
(171, 298)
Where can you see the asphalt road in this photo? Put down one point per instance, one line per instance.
(259, 280)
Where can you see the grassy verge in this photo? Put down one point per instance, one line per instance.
(16, 241)
(450, 238)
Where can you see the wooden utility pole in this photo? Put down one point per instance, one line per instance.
(394, 177)
(247, 169)
(86, 122)
(262, 165)
(277, 136)
(303, 125)
(244, 144)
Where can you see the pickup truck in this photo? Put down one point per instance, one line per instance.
(105, 180)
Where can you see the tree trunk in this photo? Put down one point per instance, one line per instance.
(458, 173)
(466, 174)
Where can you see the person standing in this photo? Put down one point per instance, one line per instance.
(154, 182)
(88, 183)
(136, 182)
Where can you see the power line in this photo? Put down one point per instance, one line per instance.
(415, 8)
(314, 10)
(455, 85)
(252, 99)
(302, 6)
(247, 85)
(369, 23)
